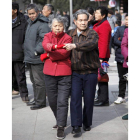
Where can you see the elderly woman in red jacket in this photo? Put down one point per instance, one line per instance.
(57, 70)
(102, 27)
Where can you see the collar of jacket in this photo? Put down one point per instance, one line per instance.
(83, 32)
(18, 21)
(59, 35)
(100, 22)
(39, 17)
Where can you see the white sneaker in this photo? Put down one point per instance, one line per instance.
(119, 100)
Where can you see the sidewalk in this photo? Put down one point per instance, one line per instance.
(37, 124)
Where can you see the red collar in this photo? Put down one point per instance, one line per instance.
(59, 35)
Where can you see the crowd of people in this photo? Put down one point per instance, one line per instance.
(66, 62)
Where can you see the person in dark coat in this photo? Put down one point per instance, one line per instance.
(120, 60)
(85, 63)
(102, 27)
(91, 20)
(68, 19)
(36, 29)
(18, 67)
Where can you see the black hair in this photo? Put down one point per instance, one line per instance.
(126, 15)
(90, 10)
(116, 9)
(110, 12)
(15, 5)
(118, 23)
(103, 10)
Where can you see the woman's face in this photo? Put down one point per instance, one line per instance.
(98, 16)
(57, 27)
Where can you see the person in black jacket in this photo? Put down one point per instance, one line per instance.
(120, 59)
(18, 67)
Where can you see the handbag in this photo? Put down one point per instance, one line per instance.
(102, 76)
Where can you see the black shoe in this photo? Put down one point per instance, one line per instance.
(25, 99)
(37, 107)
(86, 128)
(76, 130)
(99, 103)
(31, 103)
(55, 127)
(60, 133)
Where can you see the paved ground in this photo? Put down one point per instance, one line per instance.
(36, 124)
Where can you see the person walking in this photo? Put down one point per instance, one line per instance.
(120, 60)
(85, 64)
(18, 67)
(103, 29)
(57, 70)
(36, 29)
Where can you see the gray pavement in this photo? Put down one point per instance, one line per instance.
(37, 124)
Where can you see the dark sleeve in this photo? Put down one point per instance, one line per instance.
(116, 36)
(43, 29)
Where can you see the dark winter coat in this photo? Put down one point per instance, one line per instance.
(18, 35)
(117, 44)
(33, 39)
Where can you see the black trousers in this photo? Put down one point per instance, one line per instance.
(37, 79)
(103, 91)
(58, 91)
(87, 84)
(122, 81)
(18, 71)
(14, 82)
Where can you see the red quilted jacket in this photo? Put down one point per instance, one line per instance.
(104, 33)
(59, 63)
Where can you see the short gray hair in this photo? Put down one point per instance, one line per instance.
(50, 7)
(60, 19)
(32, 6)
(79, 12)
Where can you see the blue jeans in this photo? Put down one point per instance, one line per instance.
(87, 84)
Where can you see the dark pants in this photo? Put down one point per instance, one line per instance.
(122, 81)
(110, 44)
(14, 82)
(18, 71)
(37, 78)
(58, 91)
(102, 91)
(87, 84)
